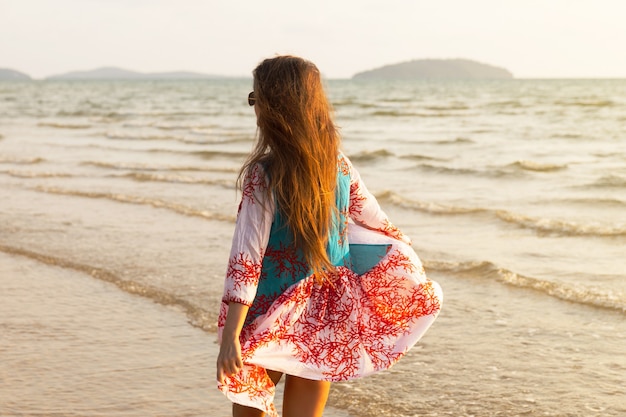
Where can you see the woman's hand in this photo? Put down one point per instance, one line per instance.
(229, 359)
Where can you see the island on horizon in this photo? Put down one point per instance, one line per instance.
(435, 69)
(411, 70)
(115, 73)
(110, 73)
(7, 74)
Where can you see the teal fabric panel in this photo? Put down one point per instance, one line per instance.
(364, 256)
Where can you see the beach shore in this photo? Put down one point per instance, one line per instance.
(115, 236)
(76, 346)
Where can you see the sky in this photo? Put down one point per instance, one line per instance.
(530, 38)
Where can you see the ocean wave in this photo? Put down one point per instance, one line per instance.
(573, 293)
(365, 156)
(34, 174)
(219, 140)
(131, 199)
(74, 113)
(586, 103)
(139, 136)
(167, 114)
(345, 102)
(393, 113)
(184, 179)
(595, 202)
(450, 107)
(145, 167)
(458, 171)
(455, 141)
(366, 105)
(193, 137)
(407, 99)
(59, 125)
(176, 126)
(237, 157)
(418, 157)
(505, 103)
(197, 316)
(567, 136)
(610, 155)
(217, 154)
(20, 161)
(537, 166)
(544, 226)
(403, 113)
(560, 227)
(610, 181)
(108, 113)
(423, 206)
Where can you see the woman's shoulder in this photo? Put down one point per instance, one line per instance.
(344, 164)
(255, 175)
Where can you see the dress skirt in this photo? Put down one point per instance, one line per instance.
(361, 320)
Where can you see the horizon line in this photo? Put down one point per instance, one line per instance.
(217, 77)
(204, 75)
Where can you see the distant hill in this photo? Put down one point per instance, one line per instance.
(436, 69)
(113, 73)
(7, 74)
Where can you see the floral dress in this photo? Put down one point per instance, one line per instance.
(376, 305)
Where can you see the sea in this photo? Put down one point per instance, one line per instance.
(118, 203)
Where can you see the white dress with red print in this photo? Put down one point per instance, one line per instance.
(376, 306)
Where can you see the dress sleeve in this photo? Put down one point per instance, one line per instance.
(365, 210)
(252, 230)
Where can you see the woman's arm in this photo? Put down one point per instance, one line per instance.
(254, 221)
(252, 230)
(229, 359)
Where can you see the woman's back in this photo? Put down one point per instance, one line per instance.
(298, 146)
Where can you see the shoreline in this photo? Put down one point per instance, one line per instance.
(89, 348)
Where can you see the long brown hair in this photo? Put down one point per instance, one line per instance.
(297, 145)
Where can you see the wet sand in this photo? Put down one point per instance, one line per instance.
(76, 346)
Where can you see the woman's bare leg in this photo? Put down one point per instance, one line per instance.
(304, 397)
(243, 411)
(275, 376)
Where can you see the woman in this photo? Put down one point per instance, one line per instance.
(320, 285)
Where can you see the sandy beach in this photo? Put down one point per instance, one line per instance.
(88, 348)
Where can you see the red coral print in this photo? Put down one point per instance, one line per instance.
(348, 326)
(344, 166)
(343, 228)
(394, 306)
(356, 200)
(391, 230)
(252, 385)
(286, 260)
(261, 304)
(328, 344)
(253, 181)
(221, 318)
(243, 272)
(325, 336)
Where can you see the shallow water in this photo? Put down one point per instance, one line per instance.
(76, 346)
(513, 192)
